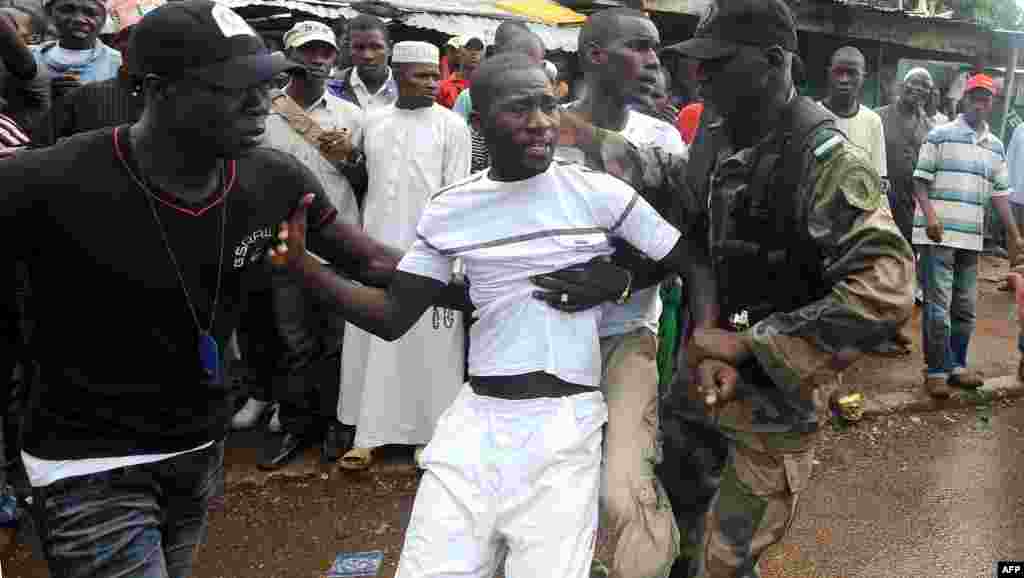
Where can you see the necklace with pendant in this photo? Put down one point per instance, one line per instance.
(209, 350)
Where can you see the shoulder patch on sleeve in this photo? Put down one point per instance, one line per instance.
(859, 183)
(825, 143)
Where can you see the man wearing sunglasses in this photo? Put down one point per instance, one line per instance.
(123, 437)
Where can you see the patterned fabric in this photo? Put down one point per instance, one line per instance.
(481, 156)
(864, 256)
(965, 169)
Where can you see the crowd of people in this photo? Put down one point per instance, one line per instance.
(565, 305)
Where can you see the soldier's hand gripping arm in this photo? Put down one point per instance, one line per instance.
(867, 263)
(658, 176)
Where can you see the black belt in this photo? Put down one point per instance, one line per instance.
(525, 386)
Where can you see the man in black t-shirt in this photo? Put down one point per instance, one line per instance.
(139, 241)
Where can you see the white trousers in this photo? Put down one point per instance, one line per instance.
(514, 477)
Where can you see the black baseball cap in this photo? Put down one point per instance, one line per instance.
(729, 24)
(205, 40)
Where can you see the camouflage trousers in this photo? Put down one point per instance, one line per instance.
(734, 494)
(641, 529)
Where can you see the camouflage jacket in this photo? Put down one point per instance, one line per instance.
(864, 260)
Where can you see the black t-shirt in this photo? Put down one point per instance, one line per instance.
(115, 338)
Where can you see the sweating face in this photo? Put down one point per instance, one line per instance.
(521, 123)
(630, 59)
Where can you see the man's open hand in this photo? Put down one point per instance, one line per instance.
(580, 287)
(290, 248)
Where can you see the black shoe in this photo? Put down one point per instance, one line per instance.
(338, 439)
(282, 450)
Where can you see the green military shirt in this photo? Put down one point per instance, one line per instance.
(866, 262)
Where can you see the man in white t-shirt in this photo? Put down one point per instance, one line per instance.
(514, 464)
(862, 125)
(620, 65)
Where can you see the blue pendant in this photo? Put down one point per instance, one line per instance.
(209, 359)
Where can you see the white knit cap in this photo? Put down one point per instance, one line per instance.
(551, 70)
(411, 52)
(308, 31)
(918, 71)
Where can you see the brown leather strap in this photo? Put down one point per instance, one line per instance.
(297, 118)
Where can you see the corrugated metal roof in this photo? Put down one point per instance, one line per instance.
(456, 17)
(894, 7)
(321, 8)
(554, 37)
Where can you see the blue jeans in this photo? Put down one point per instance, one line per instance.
(950, 281)
(137, 522)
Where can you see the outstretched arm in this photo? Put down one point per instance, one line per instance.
(358, 254)
(387, 313)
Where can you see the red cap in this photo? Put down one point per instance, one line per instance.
(981, 81)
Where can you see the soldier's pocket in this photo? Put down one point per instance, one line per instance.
(773, 473)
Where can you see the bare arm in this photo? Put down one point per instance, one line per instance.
(921, 195)
(350, 248)
(387, 313)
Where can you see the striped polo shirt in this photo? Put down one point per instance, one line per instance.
(965, 168)
(507, 232)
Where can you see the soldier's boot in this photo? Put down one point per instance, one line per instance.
(937, 387)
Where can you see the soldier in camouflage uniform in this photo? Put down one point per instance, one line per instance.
(804, 268)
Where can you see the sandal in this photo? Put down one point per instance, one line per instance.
(356, 459)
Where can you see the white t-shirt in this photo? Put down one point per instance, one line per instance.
(865, 132)
(644, 308)
(42, 473)
(507, 232)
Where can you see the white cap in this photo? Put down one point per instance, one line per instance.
(457, 41)
(308, 31)
(551, 70)
(412, 52)
(918, 71)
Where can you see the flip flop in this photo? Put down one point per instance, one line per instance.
(356, 459)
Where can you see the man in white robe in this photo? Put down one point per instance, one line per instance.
(394, 393)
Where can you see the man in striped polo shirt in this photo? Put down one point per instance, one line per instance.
(961, 165)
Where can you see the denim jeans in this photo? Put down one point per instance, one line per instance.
(142, 521)
(950, 281)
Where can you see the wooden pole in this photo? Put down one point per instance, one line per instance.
(1008, 86)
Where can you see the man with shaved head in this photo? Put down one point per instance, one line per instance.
(617, 50)
(861, 124)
